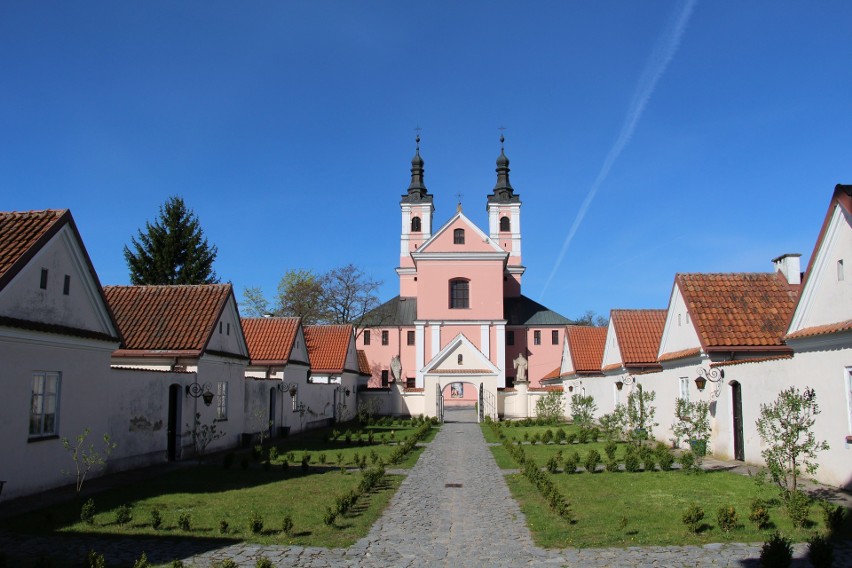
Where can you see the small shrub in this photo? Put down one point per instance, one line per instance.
(553, 465)
(257, 452)
(123, 515)
(273, 453)
(820, 551)
(548, 436)
(339, 457)
(665, 459)
(593, 458)
(560, 435)
(185, 522)
(692, 517)
(727, 518)
(798, 508)
(583, 436)
(759, 514)
(142, 562)
(287, 525)
(291, 456)
(571, 438)
(156, 519)
(87, 512)
(95, 560)
(832, 515)
(321, 458)
(228, 564)
(777, 552)
(264, 562)
(631, 462)
(612, 465)
(329, 516)
(228, 460)
(223, 526)
(571, 462)
(255, 522)
(687, 462)
(648, 457)
(526, 436)
(610, 448)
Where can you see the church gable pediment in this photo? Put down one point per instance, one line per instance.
(444, 240)
(460, 356)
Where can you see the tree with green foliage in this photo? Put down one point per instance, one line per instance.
(172, 250)
(786, 428)
(692, 424)
(583, 410)
(549, 407)
(639, 414)
(86, 459)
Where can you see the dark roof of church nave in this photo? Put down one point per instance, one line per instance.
(517, 311)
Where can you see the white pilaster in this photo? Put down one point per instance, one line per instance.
(436, 339)
(419, 351)
(501, 354)
(485, 339)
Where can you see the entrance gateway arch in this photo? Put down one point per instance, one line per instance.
(485, 386)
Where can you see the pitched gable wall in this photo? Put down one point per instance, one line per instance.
(227, 334)
(82, 308)
(473, 241)
(826, 298)
(679, 333)
(612, 352)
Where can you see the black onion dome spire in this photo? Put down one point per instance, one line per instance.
(503, 190)
(417, 189)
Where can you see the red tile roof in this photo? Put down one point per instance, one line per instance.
(328, 346)
(586, 344)
(270, 340)
(752, 360)
(549, 388)
(639, 333)
(363, 363)
(21, 235)
(738, 310)
(821, 330)
(554, 374)
(167, 319)
(682, 354)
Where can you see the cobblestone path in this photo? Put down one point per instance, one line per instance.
(453, 509)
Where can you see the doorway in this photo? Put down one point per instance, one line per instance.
(273, 400)
(737, 402)
(173, 430)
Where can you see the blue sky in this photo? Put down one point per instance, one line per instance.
(710, 135)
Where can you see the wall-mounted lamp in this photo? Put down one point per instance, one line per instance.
(619, 385)
(196, 390)
(291, 388)
(570, 388)
(715, 376)
(628, 380)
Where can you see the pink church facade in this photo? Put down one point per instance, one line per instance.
(460, 319)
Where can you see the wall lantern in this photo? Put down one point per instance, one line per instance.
(715, 376)
(195, 391)
(628, 380)
(619, 385)
(291, 388)
(570, 388)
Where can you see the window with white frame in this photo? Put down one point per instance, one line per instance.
(44, 404)
(222, 400)
(684, 388)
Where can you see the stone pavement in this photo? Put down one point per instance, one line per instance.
(453, 509)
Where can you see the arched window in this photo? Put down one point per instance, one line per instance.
(458, 237)
(461, 359)
(459, 294)
(505, 225)
(415, 224)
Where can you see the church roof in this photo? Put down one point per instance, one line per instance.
(401, 310)
(524, 311)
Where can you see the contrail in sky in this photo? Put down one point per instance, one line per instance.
(654, 69)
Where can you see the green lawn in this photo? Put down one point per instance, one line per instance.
(643, 508)
(211, 494)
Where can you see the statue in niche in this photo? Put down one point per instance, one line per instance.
(520, 364)
(396, 368)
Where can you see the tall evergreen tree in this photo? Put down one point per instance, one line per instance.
(173, 250)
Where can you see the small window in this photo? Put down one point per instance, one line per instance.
(43, 282)
(295, 400)
(510, 338)
(460, 359)
(505, 225)
(684, 388)
(384, 377)
(537, 337)
(366, 337)
(554, 337)
(44, 404)
(687, 317)
(384, 337)
(228, 329)
(679, 317)
(458, 237)
(220, 327)
(415, 225)
(840, 275)
(409, 382)
(410, 337)
(221, 400)
(459, 294)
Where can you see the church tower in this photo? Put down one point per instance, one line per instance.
(417, 212)
(504, 223)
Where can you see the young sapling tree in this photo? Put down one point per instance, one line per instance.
(86, 459)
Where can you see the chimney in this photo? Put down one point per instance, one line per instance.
(790, 267)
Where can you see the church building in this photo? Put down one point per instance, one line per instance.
(460, 329)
